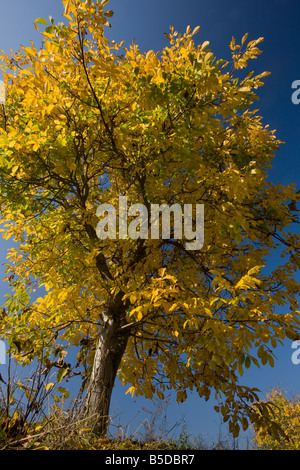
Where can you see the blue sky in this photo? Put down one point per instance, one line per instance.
(278, 22)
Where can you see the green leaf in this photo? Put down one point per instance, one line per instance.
(61, 374)
(271, 360)
(247, 362)
(64, 391)
(41, 20)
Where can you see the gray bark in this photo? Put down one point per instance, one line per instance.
(109, 352)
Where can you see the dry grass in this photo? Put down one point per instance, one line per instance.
(29, 422)
(61, 432)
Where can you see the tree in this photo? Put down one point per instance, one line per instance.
(287, 415)
(87, 121)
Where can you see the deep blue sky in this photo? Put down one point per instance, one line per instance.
(146, 21)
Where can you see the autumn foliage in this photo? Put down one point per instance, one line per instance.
(86, 120)
(287, 416)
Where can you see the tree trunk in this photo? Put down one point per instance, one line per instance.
(109, 352)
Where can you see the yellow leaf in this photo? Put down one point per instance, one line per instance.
(49, 386)
(208, 56)
(139, 315)
(205, 44)
(29, 51)
(244, 38)
(245, 89)
(161, 271)
(67, 5)
(67, 16)
(131, 390)
(195, 31)
(255, 270)
(25, 72)
(232, 44)
(173, 307)
(14, 170)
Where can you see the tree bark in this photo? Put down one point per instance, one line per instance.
(109, 352)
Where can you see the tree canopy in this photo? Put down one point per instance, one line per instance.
(87, 120)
